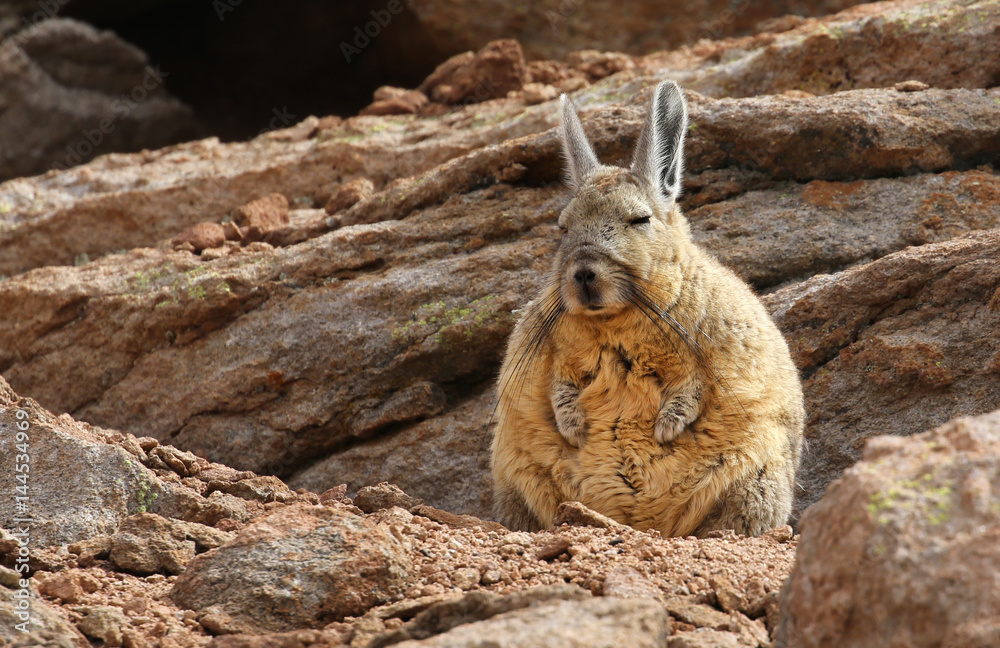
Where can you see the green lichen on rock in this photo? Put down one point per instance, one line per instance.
(928, 498)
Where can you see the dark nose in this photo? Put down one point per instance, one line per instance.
(584, 277)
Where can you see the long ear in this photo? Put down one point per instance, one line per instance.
(581, 161)
(659, 155)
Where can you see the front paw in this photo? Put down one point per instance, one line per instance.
(572, 425)
(669, 425)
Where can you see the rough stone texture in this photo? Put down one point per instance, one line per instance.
(303, 566)
(900, 344)
(551, 28)
(904, 549)
(261, 217)
(868, 46)
(490, 73)
(360, 346)
(85, 481)
(76, 76)
(47, 627)
(200, 237)
(271, 359)
(596, 623)
(148, 543)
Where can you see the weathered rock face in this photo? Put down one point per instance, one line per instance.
(96, 94)
(85, 482)
(552, 28)
(904, 549)
(304, 566)
(360, 345)
(907, 341)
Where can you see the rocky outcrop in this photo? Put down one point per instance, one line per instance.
(307, 569)
(906, 340)
(552, 28)
(903, 549)
(96, 93)
(86, 482)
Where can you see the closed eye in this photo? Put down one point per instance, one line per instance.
(642, 220)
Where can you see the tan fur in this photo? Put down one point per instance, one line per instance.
(732, 466)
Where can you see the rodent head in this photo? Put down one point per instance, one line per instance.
(622, 224)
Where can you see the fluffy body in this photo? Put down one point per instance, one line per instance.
(646, 381)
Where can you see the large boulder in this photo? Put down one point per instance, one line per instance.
(904, 549)
(302, 566)
(70, 92)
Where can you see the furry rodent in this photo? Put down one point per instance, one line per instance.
(646, 380)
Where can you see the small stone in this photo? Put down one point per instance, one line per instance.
(348, 194)
(382, 496)
(465, 578)
(200, 237)
(728, 596)
(396, 101)
(911, 85)
(779, 534)
(103, 622)
(69, 586)
(335, 494)
(536, 93)
(262, 216)
(553, 549)
(626, 582)
(576, 514)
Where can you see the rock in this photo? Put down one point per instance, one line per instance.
(348, 194)
(200, 237)
(148, 543)
(454, 622)
(382, 496)
(550, 30)
(45, 625)
(68, 586)
(904, 545)
(84, 487)
(103, 622)
(626, 582)
(576, 514)
(553, 549)
(396, 101)
(444, 459)
(868, 46)
(536, 93)
(901, 339)
(301, 567)
(493, 71)
(263, 489)
(98, 94)
(594, 623)
(688, 610)
(705, 639)
(368, 353)
(90, 483)
(262, 216)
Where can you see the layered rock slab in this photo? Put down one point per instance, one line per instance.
(900, 344)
